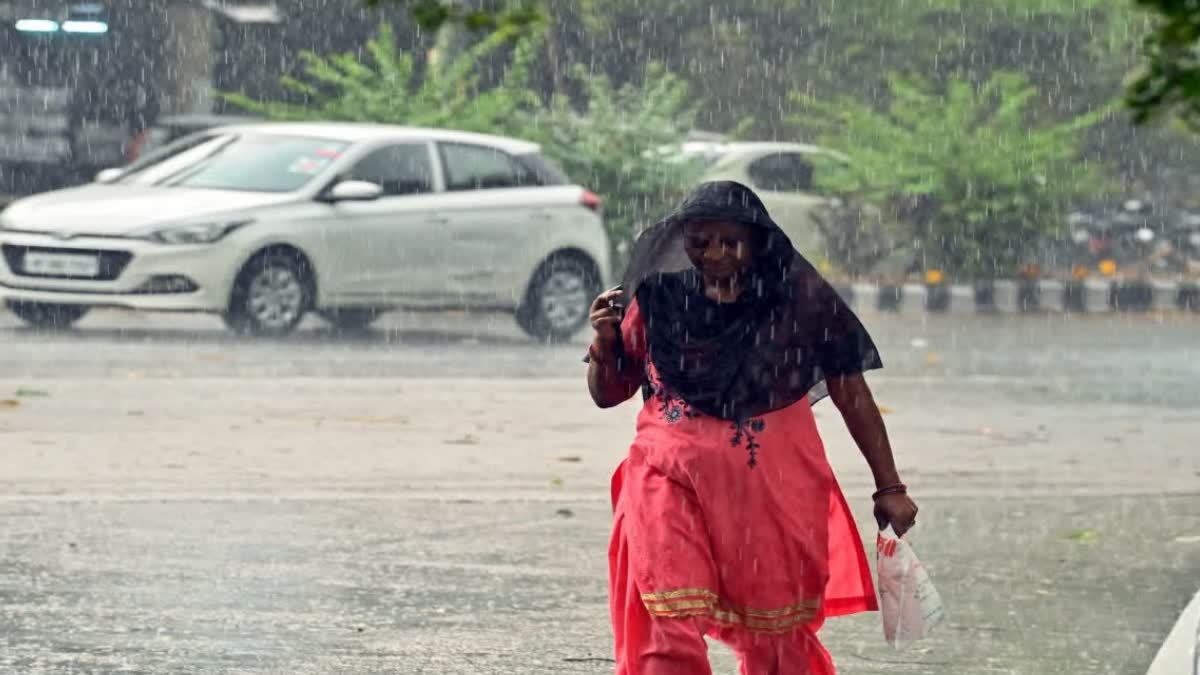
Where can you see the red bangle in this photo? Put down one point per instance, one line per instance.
(898, 488)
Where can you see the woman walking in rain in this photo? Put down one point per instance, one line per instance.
(728, 521)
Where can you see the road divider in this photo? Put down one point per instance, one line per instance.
(1024, 296)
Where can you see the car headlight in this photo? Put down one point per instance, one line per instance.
(194, 233)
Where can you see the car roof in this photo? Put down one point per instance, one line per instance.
(359, 133)
(774, 145)
(733, 150)
(754, 147)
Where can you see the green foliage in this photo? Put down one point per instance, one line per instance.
(391, 89)
(748, 54)
(434, 14)
(1169, 80)
(963, 171)
(612, 143)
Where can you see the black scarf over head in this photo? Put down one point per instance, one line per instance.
(778, 342)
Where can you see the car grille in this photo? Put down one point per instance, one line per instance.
(112, 263)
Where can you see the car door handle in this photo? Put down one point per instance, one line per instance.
(542, 215)
(437, 220)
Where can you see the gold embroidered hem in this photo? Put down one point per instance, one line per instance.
(687, 602)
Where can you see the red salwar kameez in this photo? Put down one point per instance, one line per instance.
(738, 531)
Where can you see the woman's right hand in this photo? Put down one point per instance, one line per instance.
(606, 314)
(611, 379)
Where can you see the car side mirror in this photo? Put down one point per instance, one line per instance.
(109, 175)
(354, 191)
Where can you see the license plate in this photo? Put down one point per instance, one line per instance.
(61, 264)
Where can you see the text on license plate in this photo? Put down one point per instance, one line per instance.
(61, 264)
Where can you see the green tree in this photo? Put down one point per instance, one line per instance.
(744, 57)
(961, 171)
(1168, 82)
(749, 55)
(488, 16)
(390, 88)
(613, 139)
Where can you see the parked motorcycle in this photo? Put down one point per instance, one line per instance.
(1184, 238)
(1134, 238)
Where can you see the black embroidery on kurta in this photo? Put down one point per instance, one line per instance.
(673, 409)
(744, 432)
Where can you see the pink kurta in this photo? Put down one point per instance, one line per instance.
(742, 527)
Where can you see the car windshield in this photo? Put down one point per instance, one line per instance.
(237, 161)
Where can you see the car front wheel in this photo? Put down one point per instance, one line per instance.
(270, 297)
(45, 315)
(559, 297)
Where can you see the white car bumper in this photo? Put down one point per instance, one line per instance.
(134, 274)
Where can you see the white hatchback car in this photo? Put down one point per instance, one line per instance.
(782, 176)
(264, 222)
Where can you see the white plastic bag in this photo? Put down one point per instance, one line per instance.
(910, 605)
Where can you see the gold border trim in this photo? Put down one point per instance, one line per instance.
(681, 593)
(688, 602)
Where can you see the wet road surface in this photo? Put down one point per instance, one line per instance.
(430, 497)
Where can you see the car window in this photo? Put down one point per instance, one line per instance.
(398, 169)
(782, 172)
(236, 161)
(157, 137)
(544, 172)
(478, 167)
(721, 160)
(174, 148)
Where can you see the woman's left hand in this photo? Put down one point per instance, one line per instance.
(897, 510)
